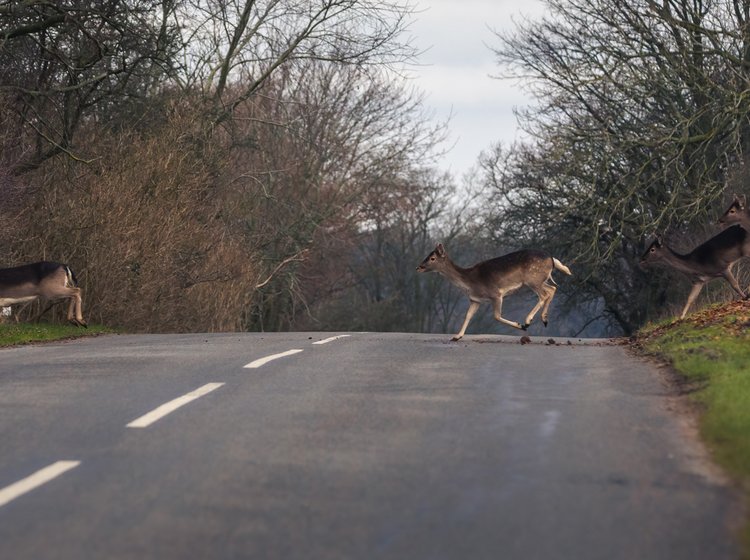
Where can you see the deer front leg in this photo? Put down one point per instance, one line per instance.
(498, 305)
(473, 306)
(691, 298)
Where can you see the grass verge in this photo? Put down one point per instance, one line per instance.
(26, 333)
(711, 351)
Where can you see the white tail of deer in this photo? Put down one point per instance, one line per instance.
(493, 279)
(42, 280)
(737, 213)
(712, 259)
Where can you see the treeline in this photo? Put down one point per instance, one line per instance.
(220, 165)
(640, 126)
(263, 165)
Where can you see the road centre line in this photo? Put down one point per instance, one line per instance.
(331, 339)
(160, 412)
(40, 477)
(263, 361)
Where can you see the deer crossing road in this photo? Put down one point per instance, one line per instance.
(320, 446)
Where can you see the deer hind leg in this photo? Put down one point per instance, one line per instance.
(56, 288)
(498, 307)
(473, 306)
(545, 293)
(75, 315)
(691, 298)
(550, 291)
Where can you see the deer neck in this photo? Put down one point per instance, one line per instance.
(679, 261)
(456, 275)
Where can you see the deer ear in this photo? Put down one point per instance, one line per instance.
(742, 202)
(440, 250)
(658, 240)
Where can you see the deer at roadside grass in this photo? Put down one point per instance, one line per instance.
(42, 280)
(712, 259)
(493, 279)
(737, 213)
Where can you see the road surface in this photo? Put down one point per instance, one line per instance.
(382, 446)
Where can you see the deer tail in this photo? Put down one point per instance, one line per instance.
(560, 266)
(72, 281)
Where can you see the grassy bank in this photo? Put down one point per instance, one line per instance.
(711, 351)
(25, 333)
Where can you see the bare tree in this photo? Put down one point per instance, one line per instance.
(213, 155)
(641, 114)
(64, 62)
(350, 137)
(232, 47)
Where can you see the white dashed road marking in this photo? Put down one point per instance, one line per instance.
(264, 361)
(35, 480)
(161, 411)
(54, 470)
(327, 340)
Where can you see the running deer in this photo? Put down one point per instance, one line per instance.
(493, 279)
(712, 259)
(737, 213)
(46, 280)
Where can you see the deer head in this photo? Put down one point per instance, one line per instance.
(736, 212)
(435, 260)
(654, 252)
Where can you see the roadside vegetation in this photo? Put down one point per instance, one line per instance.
(266, 165)
(710, 351)
(12, 334)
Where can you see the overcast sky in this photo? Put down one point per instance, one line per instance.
(455, 72)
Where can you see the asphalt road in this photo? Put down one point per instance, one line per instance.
(368, 446)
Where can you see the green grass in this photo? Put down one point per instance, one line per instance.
(26, 333)
(711, 349)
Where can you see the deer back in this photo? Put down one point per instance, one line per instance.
(724, 248)
(525, 267)
(31, 279)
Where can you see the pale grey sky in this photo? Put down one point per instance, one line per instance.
(455, 72)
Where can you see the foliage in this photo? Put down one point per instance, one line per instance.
(378, 288)
(640, 121)
(197, 162)
(65, 63)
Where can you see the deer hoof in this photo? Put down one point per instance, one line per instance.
(544, 322)
(456, 338)
(525, 326)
